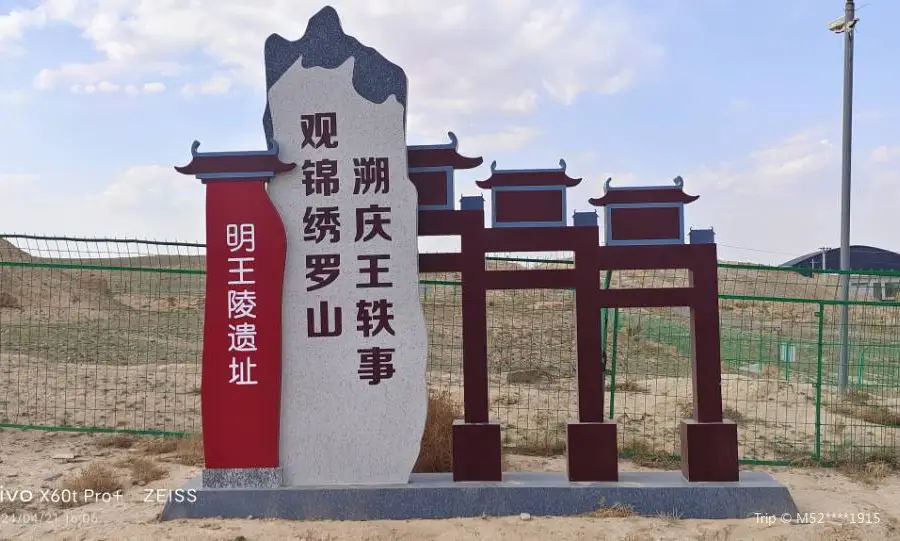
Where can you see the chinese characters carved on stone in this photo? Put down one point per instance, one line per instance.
(322, 224)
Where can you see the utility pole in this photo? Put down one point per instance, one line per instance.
(824, 250)
(845, 26)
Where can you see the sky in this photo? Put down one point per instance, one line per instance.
(100, 99)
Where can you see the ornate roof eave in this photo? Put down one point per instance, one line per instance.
(263, 162)
(664, 194)
(440, 155)
(528, 177)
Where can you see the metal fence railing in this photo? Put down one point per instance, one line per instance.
(105, 335)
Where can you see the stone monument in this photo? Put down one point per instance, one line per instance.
(314, 391)
(355, 343)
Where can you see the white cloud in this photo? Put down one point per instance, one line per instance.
(494, 54)
(153, 88)
(884, 154)
(107, 87)
(213, 86)
(13, 180)
(772, 168)
(143, 201)
(523, 103)
(82, 74)
(13, 26)
(777, 201)
(511, 138)
(784, 198)
(13, 97)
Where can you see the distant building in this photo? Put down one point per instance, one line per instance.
(861, 258)
(702, 236)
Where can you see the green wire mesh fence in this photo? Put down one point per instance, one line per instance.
(105, 335)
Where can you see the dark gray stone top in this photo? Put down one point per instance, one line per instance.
(324, 44)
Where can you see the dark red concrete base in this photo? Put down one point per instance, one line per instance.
(477, 451)
(709, 451)
(591, 451)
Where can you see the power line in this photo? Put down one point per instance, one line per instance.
(755, 249)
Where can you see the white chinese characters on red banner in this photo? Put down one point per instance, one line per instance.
(241, 242)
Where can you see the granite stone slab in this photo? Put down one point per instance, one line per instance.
(436, 496)
(354, 390)
(241, 478)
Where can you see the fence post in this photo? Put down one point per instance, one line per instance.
(788, 359)
(818, 444)
(604, 314)
(859, 369)
(759, 354)
(615, 357)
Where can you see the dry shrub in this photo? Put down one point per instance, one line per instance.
(787, 450)
(97, 478)
(308, 535)
(770, 372)
(541, 443)
(8, 301)
(642, 453)
(186, 450)
(617, 510)
(117, 441)
(505, 399)
(856, 397)
(159, 445)
(528, 376)
(628, 386)
(145, 471)
(189, 451)
(878, 415)
(97, 282)
(735, 415)
(436, 453)
(871, 467)
(544, 437)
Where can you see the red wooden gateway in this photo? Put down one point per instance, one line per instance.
(644, 215)
(431, 171)
(528, 197)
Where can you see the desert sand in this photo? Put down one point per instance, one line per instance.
(28, 463)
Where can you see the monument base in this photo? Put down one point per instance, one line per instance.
(477, 451)
(241, 478)
(437, 496)
(709, 451)
(591, 451)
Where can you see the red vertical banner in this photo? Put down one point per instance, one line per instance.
(241, 372)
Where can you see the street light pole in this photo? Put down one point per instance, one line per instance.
(846, 27)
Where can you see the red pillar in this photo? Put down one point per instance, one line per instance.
(477, 445)
(709, 443)
(591, 443)
(240, 392)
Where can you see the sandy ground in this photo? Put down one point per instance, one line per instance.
(28, 463)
